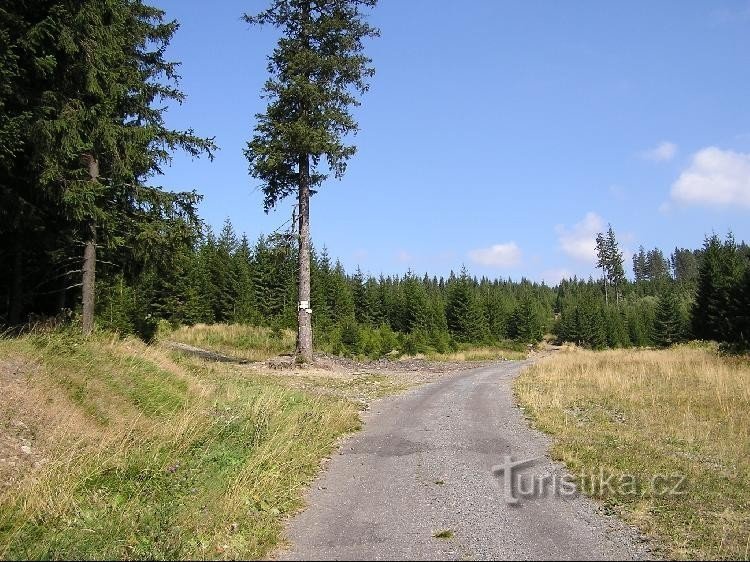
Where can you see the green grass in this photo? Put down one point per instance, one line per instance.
(255, 343)
(146, 388)
(670, 414)
(507, 350)
(364, 387)
(445, 535)
(147, 457)
(251, 343)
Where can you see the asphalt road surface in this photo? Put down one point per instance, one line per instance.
(429, 462)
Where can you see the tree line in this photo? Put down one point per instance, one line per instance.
(226, 278)
(694, 294)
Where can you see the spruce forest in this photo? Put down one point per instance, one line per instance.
(85, 236)
(222, 277)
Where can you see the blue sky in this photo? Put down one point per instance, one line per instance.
(501, 135)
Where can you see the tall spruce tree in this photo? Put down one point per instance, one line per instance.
(609, 260)
(639, 265)
(602, 262)
(720, 272)
(657, 266)
(317, 69)
(24, 212)
(98, 134)
(684, 264)
(614, 263)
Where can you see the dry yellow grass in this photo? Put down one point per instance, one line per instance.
(684, 411)
(252, 343)
(478, 354)
(257, 343)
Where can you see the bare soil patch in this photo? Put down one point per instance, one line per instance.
(20, 451)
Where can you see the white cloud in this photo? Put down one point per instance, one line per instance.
(554, 276)
(579, 242)
(499, 255)
(715, 177)
(404, 257)
(664, 152)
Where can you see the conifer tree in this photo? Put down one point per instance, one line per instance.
(598, 332)
(684, 264)
(24, 210)
(602, 262)
(498, 311)
(527, 325)
(340, 297)
(224, 273)
(373, 303)
(609, 260)
(741, 311)
(416, 311)
(194, 291)
(564, 327)
(463, 311)
(668, 321)
(244, 310)
(614, 263)
(639, 265)
(657, 266)
(616, 328)
(359, 292)
(320, 272)
(97, 134)
(317, 68)
(721, 270)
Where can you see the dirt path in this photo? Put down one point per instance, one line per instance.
(424, 464)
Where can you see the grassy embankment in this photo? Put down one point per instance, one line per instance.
(254, 343)
(684, 411)
(251, 343)
(134, 452)
(113, 449)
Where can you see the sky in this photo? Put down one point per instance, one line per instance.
(500, 135)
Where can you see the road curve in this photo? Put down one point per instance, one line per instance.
(424, 464)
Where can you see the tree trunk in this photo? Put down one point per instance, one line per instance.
(16, 288)
(606, 293)
(89, 261)
(304, 311)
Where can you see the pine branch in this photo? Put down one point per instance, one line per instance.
(59, 290)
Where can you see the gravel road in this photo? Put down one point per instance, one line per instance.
(424, 464)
